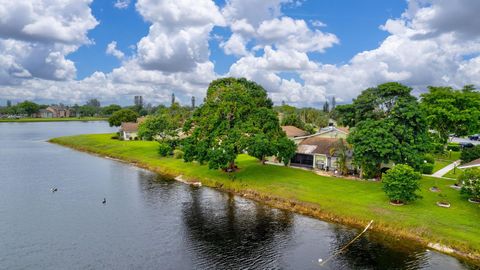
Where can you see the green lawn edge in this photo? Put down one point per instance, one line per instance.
(25, 120)
(334, 199)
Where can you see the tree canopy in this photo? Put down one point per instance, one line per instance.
(28, 107)
(302, 117)
(388, 126)
(236, 117)
(124, 115)
(165, 123)
(110, 109)
(452, 111)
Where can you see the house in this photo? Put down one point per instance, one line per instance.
(54, 112)
(319, 150)
(320, 153)
(129, 131)
(44, 113)
(471, 164)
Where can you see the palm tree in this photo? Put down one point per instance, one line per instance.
(341, 151)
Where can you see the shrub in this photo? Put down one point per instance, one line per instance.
(438, 148)
(178, 154)
(400, 183)
(453, 146)
(114, 137)
(469, 154)
(427, 168)
(470, 180)
(429, 158)
(164, 149)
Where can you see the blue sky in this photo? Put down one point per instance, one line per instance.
(303, 52)
(356, 23)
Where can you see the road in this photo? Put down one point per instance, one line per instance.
(459, 140)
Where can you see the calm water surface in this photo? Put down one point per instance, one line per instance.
(152, 222)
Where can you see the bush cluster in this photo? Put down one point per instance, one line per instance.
(178, 154)
(470, 181)
(470, 154)
(427, 168)
(400, 183)
(453, 147)
(165, 149)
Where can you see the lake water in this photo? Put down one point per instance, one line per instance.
(152, 222)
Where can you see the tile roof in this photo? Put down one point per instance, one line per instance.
(317, 145)
(129, 127)
(293, 131)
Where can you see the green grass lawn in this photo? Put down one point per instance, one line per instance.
(54, 119)
(453, 173)
(448, 156)
(346, 201)
(442, 160)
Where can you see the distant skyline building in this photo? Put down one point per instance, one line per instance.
(173, 99)
(193, 102)
(138, 100)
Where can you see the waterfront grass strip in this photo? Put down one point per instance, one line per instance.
(347, 201)
(7, 120)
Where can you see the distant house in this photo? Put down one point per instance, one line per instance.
(44, 113)
(471, 164)
(129, 131)
(54, 112)
(319, 153)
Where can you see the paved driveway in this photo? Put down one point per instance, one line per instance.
(459, 140)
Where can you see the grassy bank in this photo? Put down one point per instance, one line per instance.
(345, 201)
(54, 119)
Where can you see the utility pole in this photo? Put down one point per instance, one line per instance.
(193, 102)
(173, 99)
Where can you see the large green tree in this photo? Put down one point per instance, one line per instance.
(236, 117)
(28, 107)
(110, 109)
(452, 111)
(165, 123)
(388, 126)
(124, 115)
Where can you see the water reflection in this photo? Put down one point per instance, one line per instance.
(229, 232)
(367, 253)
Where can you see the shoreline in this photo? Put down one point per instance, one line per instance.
(40, 120)
(290, 204)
